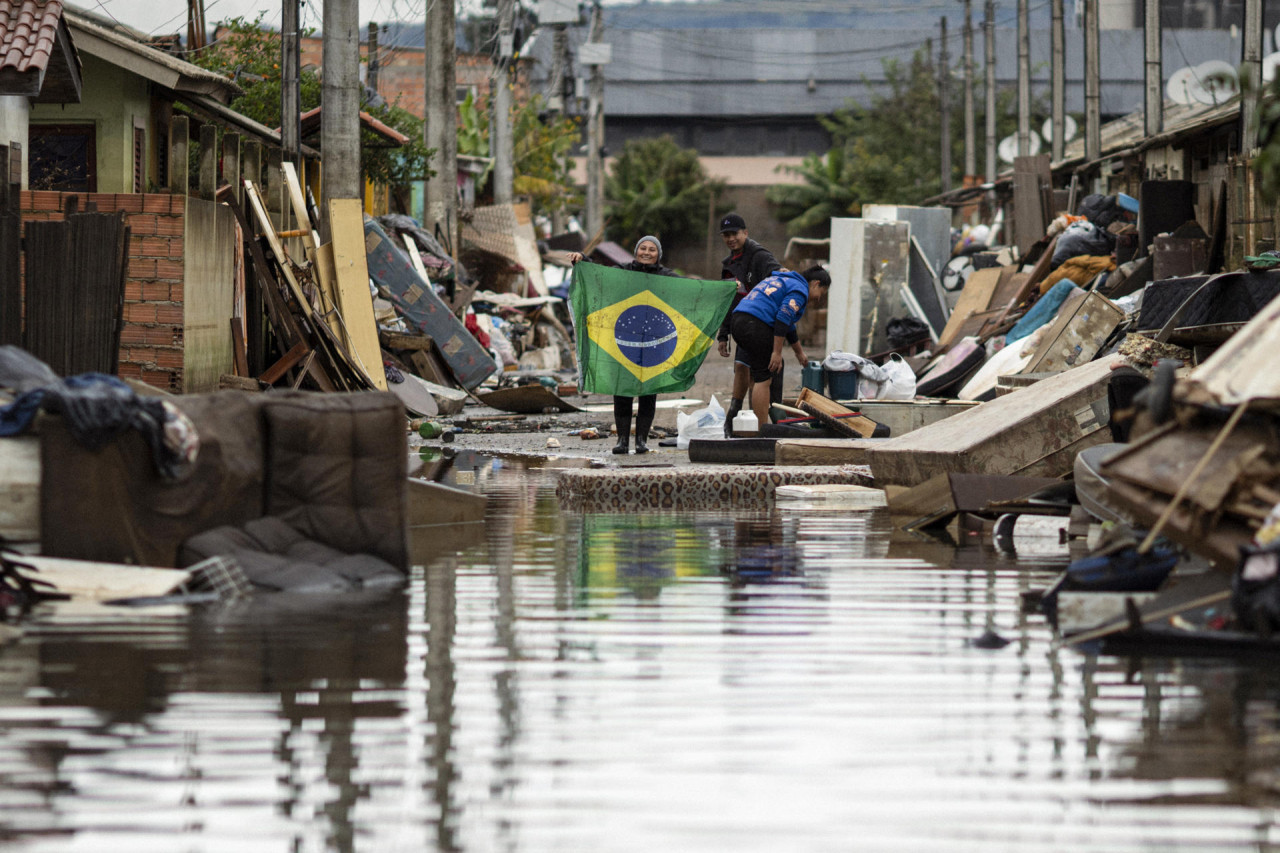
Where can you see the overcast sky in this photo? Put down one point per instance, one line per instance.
(160, 17)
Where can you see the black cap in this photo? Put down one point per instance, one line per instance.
(732, 222)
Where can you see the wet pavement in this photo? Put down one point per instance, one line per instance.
(709, 681)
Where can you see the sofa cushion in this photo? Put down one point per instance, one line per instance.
(336, 467)
(277, 557)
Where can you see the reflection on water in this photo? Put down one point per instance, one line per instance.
(558, 681)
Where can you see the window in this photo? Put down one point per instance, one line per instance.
(461, 92)
(139, 160)
(63, 157)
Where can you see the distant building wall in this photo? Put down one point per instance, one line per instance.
(14, 110)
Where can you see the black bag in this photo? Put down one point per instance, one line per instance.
(1257, 602)
(904, 331)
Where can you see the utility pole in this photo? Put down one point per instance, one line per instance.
(500, 141)
(1251, 75)
(989, 49)
(340, 119)
(1024, 79)
(371, 79)
(196, 32)
(1153, 88)
(1058, 73)
(944, 107)
(970, 147)
(595, 133)
(1092, 84)
(441, 132)
(290, 74)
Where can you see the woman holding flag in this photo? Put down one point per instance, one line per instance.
(648, 257)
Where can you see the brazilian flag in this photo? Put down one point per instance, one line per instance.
(640, 333)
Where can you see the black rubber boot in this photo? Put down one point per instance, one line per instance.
(735, 406)
(644, 421)
(622, 422)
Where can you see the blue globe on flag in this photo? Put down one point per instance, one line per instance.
(645, 335)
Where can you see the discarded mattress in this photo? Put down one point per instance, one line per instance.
(631, 489)
(416, 301)
(1233, 297)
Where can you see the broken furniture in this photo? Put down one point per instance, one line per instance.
(309, 477)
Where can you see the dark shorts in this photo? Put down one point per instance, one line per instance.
(754, 338)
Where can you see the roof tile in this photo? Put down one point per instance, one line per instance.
(27, 32)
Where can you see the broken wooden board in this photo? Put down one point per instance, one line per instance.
(1033, 431)
(974, 300)
(824, 451)
(20, 489)
(937, 499)
(355, 303)
(526, 400)
(97, 581)
(835, 416)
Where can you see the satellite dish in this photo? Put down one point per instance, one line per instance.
(1068, 129)
(1218, 81)
(1269, 64)
(1008, 147)
(1182, 85)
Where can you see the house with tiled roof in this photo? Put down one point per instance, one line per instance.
(38, 65)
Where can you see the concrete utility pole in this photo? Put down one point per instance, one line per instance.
(970, 146)
(1058, 73)
(1153, 88)
(371, 79)
(1024, 80)
(500, 141)
(595, 134)
(1092, 84)
(944, 108)
(290, 93)
(989, 51)
(1251, 74)
(441, 133)
(340, 91)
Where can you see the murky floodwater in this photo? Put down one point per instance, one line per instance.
(680, 682)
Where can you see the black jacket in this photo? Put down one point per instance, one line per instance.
(752, 266)
(652, 269)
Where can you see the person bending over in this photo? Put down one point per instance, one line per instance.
(762, 322)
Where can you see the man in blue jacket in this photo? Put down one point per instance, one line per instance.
(762, 322)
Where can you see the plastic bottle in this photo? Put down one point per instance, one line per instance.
(746, 424)
(430, 429)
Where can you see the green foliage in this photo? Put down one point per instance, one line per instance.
(656, 187)
(250, 54)
(541, 146)
(1266, 165)
(885, 152)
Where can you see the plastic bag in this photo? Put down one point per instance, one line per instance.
(900, 382)
(707, 422)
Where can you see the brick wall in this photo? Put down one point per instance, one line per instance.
(151, 340)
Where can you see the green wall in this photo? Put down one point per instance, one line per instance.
(112, 99)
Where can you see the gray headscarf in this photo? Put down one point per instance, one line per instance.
(652, 239)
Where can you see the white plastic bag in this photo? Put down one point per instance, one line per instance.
(900, 380)
(707, 422)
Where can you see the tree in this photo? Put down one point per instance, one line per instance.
(656, 187)
(885, 152)
(250, 54)
(541, 151)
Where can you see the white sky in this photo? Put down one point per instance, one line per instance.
(160, 17)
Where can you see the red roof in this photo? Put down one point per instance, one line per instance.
(27, 32)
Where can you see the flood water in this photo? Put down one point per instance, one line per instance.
(561, 681)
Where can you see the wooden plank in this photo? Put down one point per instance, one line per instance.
(835, 416)
(228, 381)
(1178, 596)
(974, 299)
(207, 183)
(299, 204)
(295, 354)
(20, 489)
(326, 283)
(239, 352)
(400, 341)
(346, 224)
(429, 368)
(415, 258)
(268, 230)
